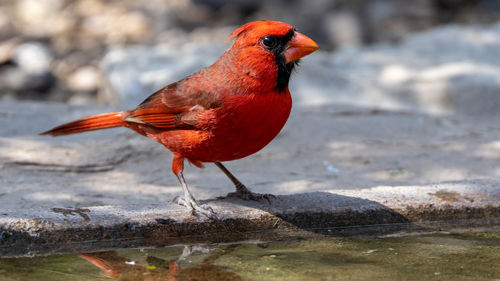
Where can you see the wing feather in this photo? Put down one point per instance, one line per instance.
(173, 107)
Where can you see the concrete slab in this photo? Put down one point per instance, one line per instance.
(338, 170)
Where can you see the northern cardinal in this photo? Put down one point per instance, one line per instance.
(224, 112)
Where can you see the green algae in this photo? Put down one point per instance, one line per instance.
(441, 256)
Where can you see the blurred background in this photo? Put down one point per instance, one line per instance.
(66, 51)
(401, 93)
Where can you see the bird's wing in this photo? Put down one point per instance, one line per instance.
(174, 107)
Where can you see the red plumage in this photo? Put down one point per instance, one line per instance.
(224, 112)
(91, 123)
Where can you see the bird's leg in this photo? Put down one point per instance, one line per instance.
(189, 202)
(241, 190)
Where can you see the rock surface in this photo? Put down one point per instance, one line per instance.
(398, 137)
(334, 168)
(453, 69)
(79, 33)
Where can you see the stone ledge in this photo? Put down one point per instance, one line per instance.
(61, 230)
(338, 170)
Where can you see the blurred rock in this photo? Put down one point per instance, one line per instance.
(392, 19)
(29, 74)
(7, 49)
(5, 22)
(84, 79)
(343, 29)
(449, 69)
(134, 73)
(33, 58)
(21, 82)
(113, 23)
(475, 93)
(79, 33)
(82, 98)
(42, 18)
(453, 69)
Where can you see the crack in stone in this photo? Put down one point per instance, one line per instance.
(71, 212)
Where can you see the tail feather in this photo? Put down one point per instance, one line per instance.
(95, 122)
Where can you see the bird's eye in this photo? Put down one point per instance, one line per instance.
(269, 41)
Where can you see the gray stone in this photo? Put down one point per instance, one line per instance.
(15, 79)
(30, 75)
(339, 170)
(7, 49)
(382, 140)
(391, 20)
(343, 29)
(134, 73)
(33, 58)
(449, 69)
(84, 79)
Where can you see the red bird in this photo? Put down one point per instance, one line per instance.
(224, 112)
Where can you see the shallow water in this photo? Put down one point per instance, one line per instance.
(469, 256)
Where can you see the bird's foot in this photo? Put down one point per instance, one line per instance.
(245, 194)
(195, 208)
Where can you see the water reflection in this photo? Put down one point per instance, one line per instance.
(440, 256)
(156, 268)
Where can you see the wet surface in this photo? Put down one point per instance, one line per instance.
(445, 195)
(72, 212)
(440, 256)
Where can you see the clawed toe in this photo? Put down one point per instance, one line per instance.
(190, 203)
(241, 191)
(206, 211)
(195, 208)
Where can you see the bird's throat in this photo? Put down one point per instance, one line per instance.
(284, 72)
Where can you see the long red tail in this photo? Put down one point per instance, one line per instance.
(95, 122)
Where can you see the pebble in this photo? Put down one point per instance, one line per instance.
(90, 27)
(19, 81)
(86, 78)
(33, 58)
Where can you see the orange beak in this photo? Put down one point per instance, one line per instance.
(299, 46)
